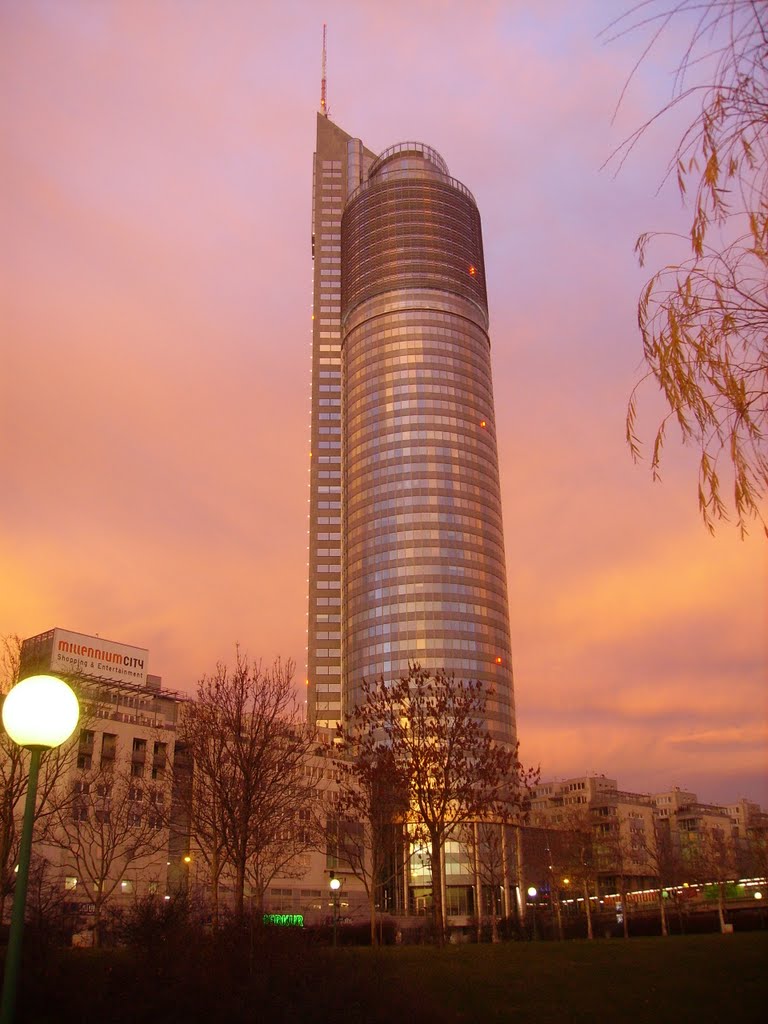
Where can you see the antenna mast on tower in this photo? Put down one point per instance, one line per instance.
(323, 99)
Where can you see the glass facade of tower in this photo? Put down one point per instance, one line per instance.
(406, 553)
(423, 569)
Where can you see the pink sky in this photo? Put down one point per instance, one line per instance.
(154, 385)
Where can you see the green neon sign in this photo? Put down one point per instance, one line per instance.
(285, 920)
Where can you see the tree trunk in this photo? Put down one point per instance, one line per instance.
(624, 908)
(520, 881)
(506, 908)
(240, 889)
(97, 908)
(478, 884)
(555, 896)
(437, 890)
(663, 913)
(588, 910)
(721, 905)
(215, 872)
(372, 906)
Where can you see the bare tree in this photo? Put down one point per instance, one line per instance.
(664, 862)
(200, 774)
(484, 844)
(366, 810)
(250, 751)
(710, 855)
(442, 754)
(579, 858)
(622, 854)
(704, 320)
(112, 823)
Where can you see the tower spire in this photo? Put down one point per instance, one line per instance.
(323, 98)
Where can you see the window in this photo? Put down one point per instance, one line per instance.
(108, 748)
(126, 886)
(70, 883)
(84, 761)
(159, 758)
(152, 888)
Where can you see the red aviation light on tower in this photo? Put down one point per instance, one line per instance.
(472, 270)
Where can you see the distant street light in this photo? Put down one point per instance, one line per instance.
(39, 713)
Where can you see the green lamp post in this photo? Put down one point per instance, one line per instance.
(39, 713)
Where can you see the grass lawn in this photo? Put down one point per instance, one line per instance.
(694, 978)
(680, 979)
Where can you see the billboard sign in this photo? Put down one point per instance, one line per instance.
(101, 659)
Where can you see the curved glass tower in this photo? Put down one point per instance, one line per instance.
(423, 574)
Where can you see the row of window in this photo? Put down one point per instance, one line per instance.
(427, 496)
(463, 454)
(444, 650)
(424, 520)
(412, 381)
(444, 634)
(416, 299)
(380, 532)
(492, 596)
(432, 366)
(427, 501)
(434, 478)
(127, 886)
(379, 443)
(434, 557)
(363, 500)
(371, 342)
(413, 609)
(468, 668)
(385, 333)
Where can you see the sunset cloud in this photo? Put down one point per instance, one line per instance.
(155, 291)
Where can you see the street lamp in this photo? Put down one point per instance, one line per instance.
(335, 885)
(39, 713)
(533, 892)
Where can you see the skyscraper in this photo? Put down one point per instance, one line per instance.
(406, 543)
